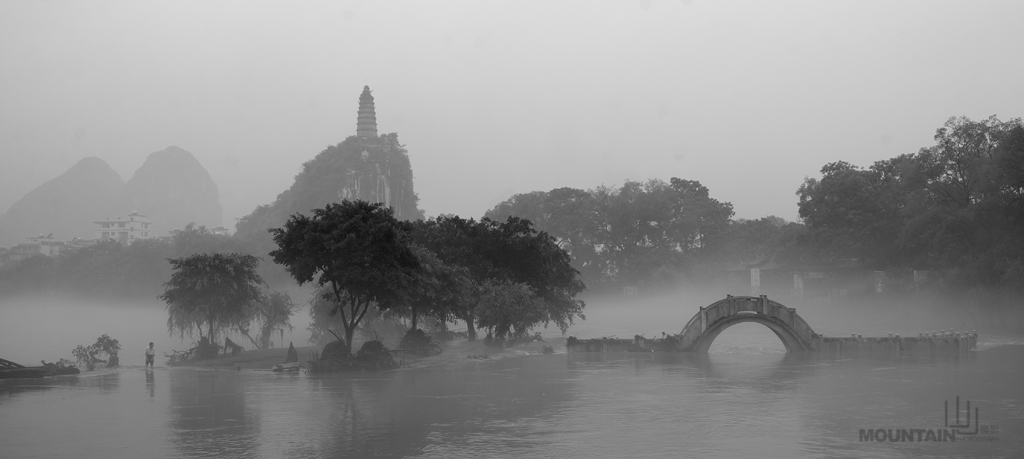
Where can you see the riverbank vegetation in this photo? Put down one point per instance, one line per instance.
(942, 225)
(363, 259)
(104, 351)
(221, 293)
(253, 359)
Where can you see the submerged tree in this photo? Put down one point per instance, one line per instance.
(213, 291)
(356, 249)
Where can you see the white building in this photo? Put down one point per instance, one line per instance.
(39, 245)
(221, 231)
(127, 229)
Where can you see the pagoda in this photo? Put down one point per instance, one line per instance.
(366, 123)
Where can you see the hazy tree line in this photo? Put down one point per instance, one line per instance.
(956, 206)
(110, 269)
(651, 233)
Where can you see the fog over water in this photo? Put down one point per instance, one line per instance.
(48, 327)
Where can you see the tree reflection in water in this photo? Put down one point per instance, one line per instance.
(409, 412)
(390, 414)
(211, 414)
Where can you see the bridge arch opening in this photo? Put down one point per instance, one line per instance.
(745, 337)
(789, 340)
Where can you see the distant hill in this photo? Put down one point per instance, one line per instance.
(373, 169)
(65, 206)
(173, 189)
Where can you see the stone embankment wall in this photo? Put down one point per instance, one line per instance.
(924, 343)
(637, 344)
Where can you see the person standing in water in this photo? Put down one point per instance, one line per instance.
(150, 353)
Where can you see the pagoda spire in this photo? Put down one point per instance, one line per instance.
(366, 122)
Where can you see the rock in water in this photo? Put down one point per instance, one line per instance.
(173, 190)
(66, 206)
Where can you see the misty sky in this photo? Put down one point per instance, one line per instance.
(496, 98)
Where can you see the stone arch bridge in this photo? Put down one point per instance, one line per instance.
(710, 321)
(792, 330)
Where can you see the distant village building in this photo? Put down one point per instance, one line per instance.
(221, 231)
(366, 122)
(833, 278)
(38, 245)
(128, 229)
(41, 245)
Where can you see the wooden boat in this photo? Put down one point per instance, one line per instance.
(9, 369)
(24, 372)
(286, 367)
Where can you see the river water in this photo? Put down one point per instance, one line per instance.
(746, 398)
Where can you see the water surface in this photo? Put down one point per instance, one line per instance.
(747, 398)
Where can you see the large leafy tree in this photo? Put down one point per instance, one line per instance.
(570, 215)
(356, 249)
(698, 221)
(845, 211)
(508, 309)
(961, 166)
(630, 233)
(508, 255)
(748, 240)
(956, 206)
(457, 242)
(436, 290)
(213, 291)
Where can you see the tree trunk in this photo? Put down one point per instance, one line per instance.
(212, 341)
(469, 328)
(348, 337)
(413, 318)
(265, 335)
(254, 342)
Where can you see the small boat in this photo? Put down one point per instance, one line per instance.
(24, 372)
(9, 369)
(286, 367)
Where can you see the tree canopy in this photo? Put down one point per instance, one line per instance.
(508, 255)
(356, 249)
(956, 205)
(637, 233)
(216, 291)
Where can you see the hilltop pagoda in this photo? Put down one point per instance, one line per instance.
(366, 122)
